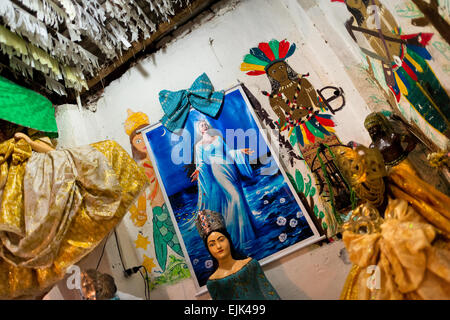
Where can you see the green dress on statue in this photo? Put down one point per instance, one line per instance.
(249, 283)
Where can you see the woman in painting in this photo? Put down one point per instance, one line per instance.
(164, 234)
(235, 277)
(135, 122)
(218, 172)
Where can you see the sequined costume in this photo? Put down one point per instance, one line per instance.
(410, 249)
(56, 207)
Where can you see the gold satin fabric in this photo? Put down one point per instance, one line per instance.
(57, 207)
(430, 203)
(412, 250)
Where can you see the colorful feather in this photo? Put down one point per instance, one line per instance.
(400, 84)
(326, 116)
(309, 135)
(251, 67)
(283, 49)
(330, 129)
(254, 60)
(305, 137)
(256, 52)
(318, 126)
(404, 77)
(256, 73)
(265, 48)
(298, 133)
(414, 63)
(291, 51)
(425, 38)
(275, 46)
(422, 52)
(396, 91)
(410, 65)
(324, 121)
(317, 133)
(409, 71)
(290, 131)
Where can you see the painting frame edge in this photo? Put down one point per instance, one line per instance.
(316, 237)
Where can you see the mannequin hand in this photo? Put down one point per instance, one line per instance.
(20, 135)
(37, 145)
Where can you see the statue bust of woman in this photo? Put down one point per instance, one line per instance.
(236, 277)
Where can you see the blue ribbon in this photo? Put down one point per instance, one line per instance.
(201, 96)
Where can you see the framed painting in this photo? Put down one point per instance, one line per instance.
(227, 165)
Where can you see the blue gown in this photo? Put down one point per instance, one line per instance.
(249, 283)
(220, 189)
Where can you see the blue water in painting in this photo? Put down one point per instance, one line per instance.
(280, 221)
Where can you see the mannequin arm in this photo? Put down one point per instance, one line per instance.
(36, 145)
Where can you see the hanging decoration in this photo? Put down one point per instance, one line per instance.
(35, 35)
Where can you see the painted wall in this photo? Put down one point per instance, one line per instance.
(216, 43)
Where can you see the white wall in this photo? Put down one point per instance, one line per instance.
(216, 44)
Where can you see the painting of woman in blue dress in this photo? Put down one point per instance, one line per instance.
(218, 173)
(225, 165)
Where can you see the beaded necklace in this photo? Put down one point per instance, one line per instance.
(293, 106)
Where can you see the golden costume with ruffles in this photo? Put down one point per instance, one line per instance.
(56, 207)
(410, 248)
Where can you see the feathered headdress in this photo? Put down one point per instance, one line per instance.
(261, 58)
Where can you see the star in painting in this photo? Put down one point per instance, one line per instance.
(148, 263)
(141, 242)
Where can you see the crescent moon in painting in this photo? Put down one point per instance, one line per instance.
(164, 133)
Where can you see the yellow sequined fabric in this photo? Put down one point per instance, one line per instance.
(429, 202)
(69, 200)
(13, 157)
(363, 169)
(410, 250)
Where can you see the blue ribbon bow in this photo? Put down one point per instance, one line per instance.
(201, 96)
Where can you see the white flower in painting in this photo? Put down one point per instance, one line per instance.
(258, 192)
(299, 214)
(281, 221)
(282, 200)
(195, 262)
(293, 223)
(266, 202)
(208, 264)
(282, 237)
